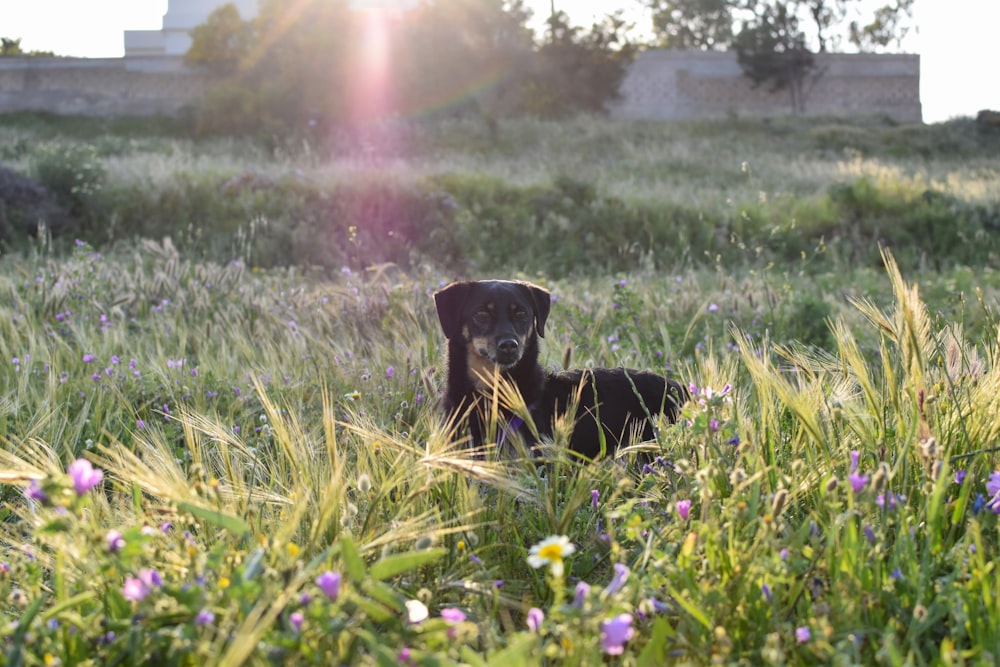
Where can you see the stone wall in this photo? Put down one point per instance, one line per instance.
(99, 86)
(661, 84)
(665, 84)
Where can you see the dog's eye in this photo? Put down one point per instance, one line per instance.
(482, 318)
(520, 315)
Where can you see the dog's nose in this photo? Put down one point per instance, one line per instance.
(508, 346)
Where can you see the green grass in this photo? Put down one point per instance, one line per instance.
(261, 430)
(278, 425)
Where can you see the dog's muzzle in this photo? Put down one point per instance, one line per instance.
(508, 352)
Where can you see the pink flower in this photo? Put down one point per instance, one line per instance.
(803, 634)
(295, 619)
(134, 589)
(85, 477)
(580, 596)
(615, 632)
(684, 509)
(115, 541)
(452, 615)
(535, 618)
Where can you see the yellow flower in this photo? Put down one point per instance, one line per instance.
(224, 582)
(293, 549)
(551, 551)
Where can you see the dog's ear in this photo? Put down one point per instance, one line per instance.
(450, 301)
(543, 302)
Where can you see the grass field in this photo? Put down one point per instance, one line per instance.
(276, 485)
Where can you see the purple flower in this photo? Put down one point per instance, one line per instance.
(535, 618)
(803, 634)
(855, 455)
(595, 496)
(857, 481)
(295, 619)
(329, 583)
(615, 632)
(766, 590)
(618, 581)
(389, 372)
(960, 476)
(993, 484)
(35, 492)
(85, 477)
(115, 541)
(869, 534)
(88, 358)
(581, 593)
(684, 508)
(204, 617)
(712, 307)
(452, 615)
(150, 578)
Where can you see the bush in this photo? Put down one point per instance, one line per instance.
(27, 208)
(74, 173)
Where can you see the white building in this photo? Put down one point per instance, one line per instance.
(174, 38)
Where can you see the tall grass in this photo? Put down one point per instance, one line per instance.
(826, 497)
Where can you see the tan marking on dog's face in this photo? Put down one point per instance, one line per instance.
(481, 369)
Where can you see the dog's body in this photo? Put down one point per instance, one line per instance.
(493, 327)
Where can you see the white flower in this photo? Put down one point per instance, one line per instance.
(551, 551)
(416, 611)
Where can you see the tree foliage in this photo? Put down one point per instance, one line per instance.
(776, 40)
(317, 65)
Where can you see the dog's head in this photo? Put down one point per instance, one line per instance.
(495, 319)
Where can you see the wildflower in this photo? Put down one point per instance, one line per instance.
(618, 581)
(855, 455)
(551, 551)
(888, 501)
(960, 477)
(204, 617)
(978, 503)
(405, 655)
(582, 591)
(452, 615)
(115, 541)
(329, 583)
(88, 358)
(85, 476)
(712, 307)
(295, 619)
(766, 590)
(803, 634)
(595, 496)
(389, 372)
(684, 508)
(857, 481)
(993, 484)
(134, 589)
(869, 534)
(305, 598)
(615, 632)
(35, 492)
(416, 612)
(150, 578)
(535, 618)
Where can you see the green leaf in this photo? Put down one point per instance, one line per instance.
(518, 652)
(228, 522)
(353, 562)
(654, 653)
(691, 609)
(395, 564)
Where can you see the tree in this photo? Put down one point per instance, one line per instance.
(222, 42)
(693, 24)
(576, 70)
(10, 47)
(777, 39)
(773, 49)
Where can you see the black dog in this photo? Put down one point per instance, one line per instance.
(493, 326)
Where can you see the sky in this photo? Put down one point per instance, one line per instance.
(956, 39)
